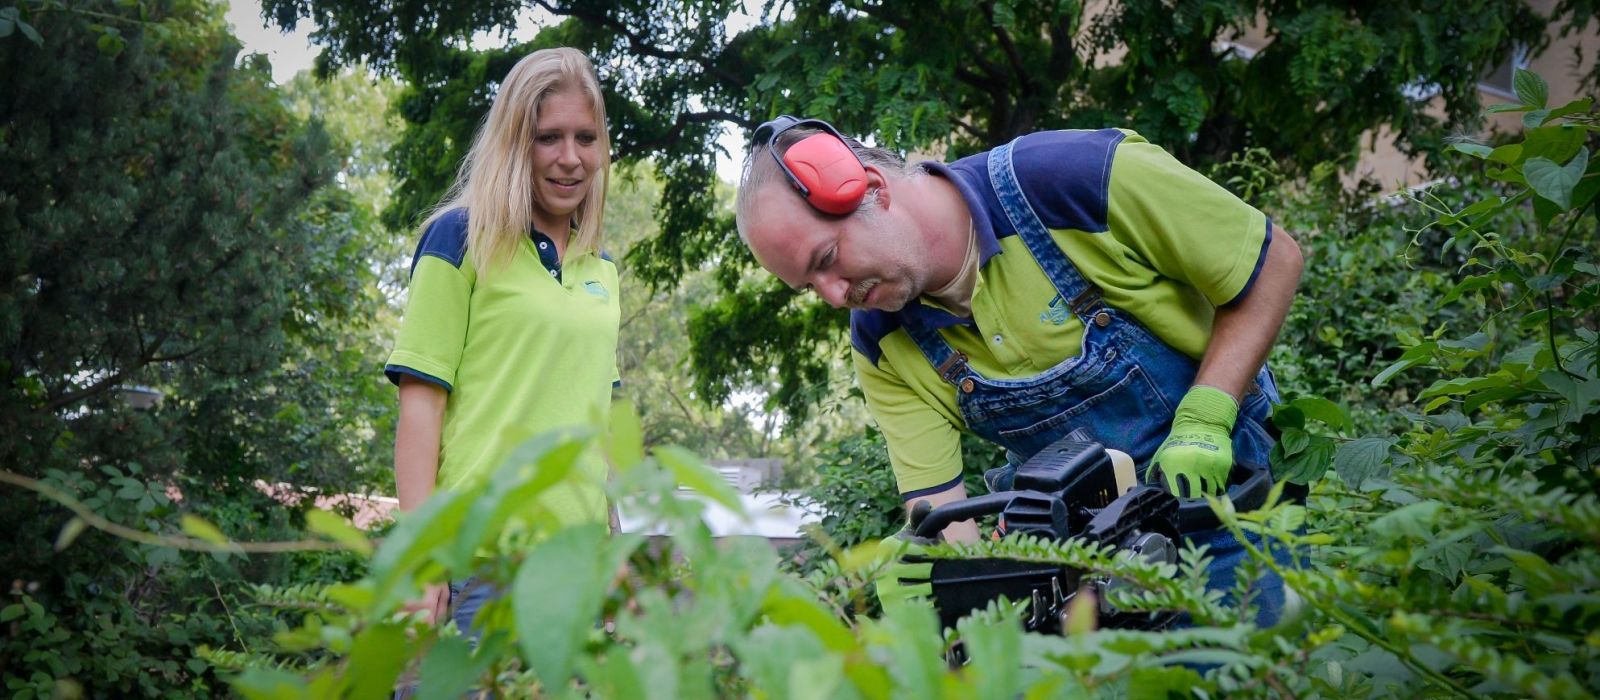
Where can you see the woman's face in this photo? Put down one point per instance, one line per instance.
(566, 154)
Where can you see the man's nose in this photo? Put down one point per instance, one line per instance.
(835, 291)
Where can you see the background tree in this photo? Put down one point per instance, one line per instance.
(168, 221)
(950, 76)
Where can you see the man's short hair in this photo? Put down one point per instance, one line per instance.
(760, 169)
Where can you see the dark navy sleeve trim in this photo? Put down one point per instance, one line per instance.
(867, 329)
(1066, 176)
(445, 239)
(616, 384)
(946, 486)
(394, 372)
(606, 256)
(1261, 261)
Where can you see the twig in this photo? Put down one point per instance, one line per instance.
(190, 544)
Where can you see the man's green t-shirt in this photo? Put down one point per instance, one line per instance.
(1161, 241)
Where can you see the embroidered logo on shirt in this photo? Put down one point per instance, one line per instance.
(594, 287)
(1057, 313)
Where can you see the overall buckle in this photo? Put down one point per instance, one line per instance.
(952, 367)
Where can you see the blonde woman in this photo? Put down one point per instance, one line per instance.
(510, 326)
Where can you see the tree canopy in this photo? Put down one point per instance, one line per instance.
(949, 76)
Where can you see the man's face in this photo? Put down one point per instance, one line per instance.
(871, 259)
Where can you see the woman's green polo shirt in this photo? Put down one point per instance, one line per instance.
(530, 347)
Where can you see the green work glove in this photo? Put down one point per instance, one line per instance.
(904, 574)
(1198, 454)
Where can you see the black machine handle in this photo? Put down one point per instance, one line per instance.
(940, 518)
(1248, 486)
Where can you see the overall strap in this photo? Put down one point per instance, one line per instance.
(951, 365)
(1082, 298)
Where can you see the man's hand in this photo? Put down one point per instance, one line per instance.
(1198, 454)
(904, 575)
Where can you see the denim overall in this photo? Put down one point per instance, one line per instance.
(1121, 390)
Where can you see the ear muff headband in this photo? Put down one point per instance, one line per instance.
(821, 167)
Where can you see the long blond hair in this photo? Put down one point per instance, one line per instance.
(496, 180)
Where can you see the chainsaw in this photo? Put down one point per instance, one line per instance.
(1072, 489)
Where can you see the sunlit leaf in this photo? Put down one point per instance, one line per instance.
(198, 528)
(1530, 88)
(70, 532)
(1556, 182)
(556, 599)
(1358, 460)
(339, 530)
(691, 472)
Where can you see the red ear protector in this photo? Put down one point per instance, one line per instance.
(821, 167)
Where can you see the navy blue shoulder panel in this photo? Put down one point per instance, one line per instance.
(1066, 176)
(606, 256)
(867, 329)
(445, 239)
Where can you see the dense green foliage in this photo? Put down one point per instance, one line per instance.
(950, 77)
(172, 220)
(1457, 556)
(168, 223)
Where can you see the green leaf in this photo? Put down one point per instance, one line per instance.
(199, 529)
(1546, 211)
(1557, 143)
(269, 684)
(1414, 520)
(1508, 154)
(1578, 106)
(378, 655)
(12, 612)
(31, 33)
(70, 532)
(1530, 88)
(1472, 149)
(448, 671)
(339, 530)
(556, 598)
(1162, 682)
(1412, 357)
(1588, 187)
(1310, 464)
(1324, 410)
(614, 676)
(416, 535)
(1506, 107)
(1469, 284)
(1535, 118)
(994, 645)
(1285, 416)
(1358, 460)
(1555, 182)
(691, 472)
(1295, 441)
(791, 603)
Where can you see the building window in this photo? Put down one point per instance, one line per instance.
(1498, 80)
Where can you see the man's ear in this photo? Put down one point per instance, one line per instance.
(877, 181)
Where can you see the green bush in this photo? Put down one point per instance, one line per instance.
(1456, 556)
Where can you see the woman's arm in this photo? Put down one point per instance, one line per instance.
(416, 441)
(416, 467)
